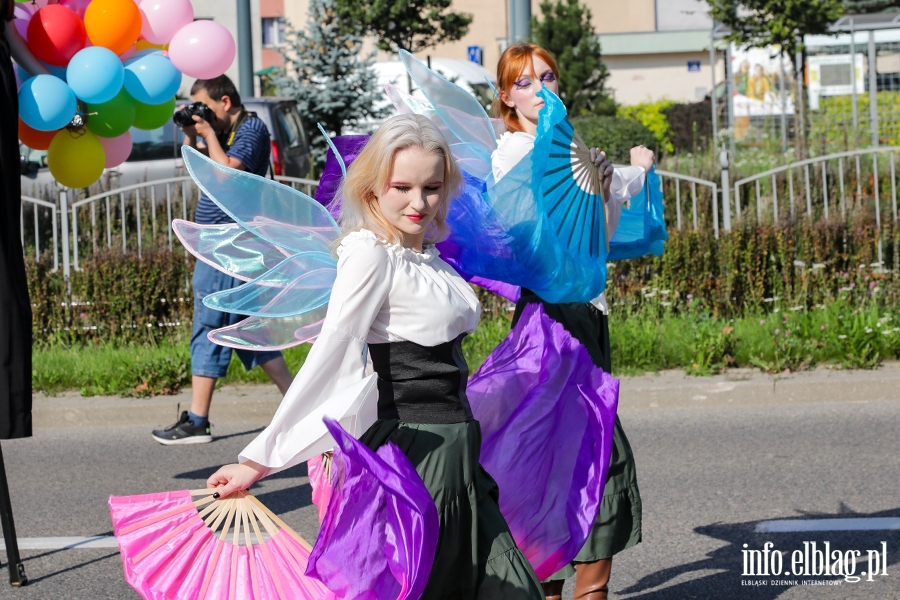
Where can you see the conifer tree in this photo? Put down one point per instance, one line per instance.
(566, 31)
(332, 83)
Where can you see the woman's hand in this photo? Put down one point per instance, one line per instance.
(232, 478)
(605, 168)
(641, 156)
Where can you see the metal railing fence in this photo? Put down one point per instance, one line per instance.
(824, 186)
(132, 218)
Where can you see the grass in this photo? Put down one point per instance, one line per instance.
(785, 338)
(133, 370)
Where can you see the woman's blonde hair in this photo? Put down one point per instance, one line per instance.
(371, 171)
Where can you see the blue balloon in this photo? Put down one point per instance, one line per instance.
(55, 70)
(95, 74)
(46, 103)
(152, 79)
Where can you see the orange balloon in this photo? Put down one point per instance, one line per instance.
(113, 24)
(34, 139)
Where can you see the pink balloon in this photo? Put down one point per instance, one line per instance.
(117, 149)
(162, 19)
(203, 49)
(23, 13)
(77, 6)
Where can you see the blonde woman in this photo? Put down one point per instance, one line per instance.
(397, 300)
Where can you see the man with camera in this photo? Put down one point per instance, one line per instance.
(218, 125)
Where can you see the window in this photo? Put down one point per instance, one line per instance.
(273, 31)
(155, 144)
(289, 126)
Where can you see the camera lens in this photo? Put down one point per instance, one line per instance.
(183, 118)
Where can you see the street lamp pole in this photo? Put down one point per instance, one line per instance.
(519, 21)
(244, 49)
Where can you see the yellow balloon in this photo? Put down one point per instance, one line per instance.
(145, 45)
(76, 158)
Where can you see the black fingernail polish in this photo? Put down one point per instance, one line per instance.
(216, 495)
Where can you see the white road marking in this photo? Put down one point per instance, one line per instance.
(58, 543)
(850, 524)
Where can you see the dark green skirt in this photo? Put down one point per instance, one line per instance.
(476, 556)
(618, 524)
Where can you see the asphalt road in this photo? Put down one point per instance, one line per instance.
(715, 458)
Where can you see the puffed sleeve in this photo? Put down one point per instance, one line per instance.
(511, 148)
(626, 184)
(332, 381)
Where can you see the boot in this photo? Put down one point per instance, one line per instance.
(592, 580)
(553, 589)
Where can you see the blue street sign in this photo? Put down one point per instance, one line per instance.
(693, 65)
(476, 54)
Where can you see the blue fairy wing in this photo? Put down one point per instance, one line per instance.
(263, 333)
(229, 248)
(298, 285)
(273, 211)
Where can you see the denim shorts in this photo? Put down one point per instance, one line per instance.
(209, 359)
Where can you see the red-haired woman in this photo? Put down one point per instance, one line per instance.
(524, 69)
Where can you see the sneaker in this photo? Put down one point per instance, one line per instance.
(183, 432)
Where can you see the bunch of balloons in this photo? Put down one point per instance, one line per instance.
(118, 64)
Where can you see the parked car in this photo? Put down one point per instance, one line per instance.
(156, 153)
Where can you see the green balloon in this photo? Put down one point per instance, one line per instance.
(112, 119)
(151, 116)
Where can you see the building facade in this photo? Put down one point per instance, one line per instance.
(225, 12)
(654, 49)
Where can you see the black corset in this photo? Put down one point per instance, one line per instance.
(421, 384)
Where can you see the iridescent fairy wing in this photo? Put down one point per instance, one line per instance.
(473, 136)
(229, 248)
(278, 213)
(280, 245)
(264, 333)
(297, 285)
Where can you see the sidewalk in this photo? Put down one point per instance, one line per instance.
(255, 404)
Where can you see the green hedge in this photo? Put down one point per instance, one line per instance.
(115, 298)
(126, 300)
(756, 268)
(615, 135)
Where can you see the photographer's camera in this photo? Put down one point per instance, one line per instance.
(184, 117)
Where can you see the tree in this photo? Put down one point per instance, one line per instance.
(760, 23)
(858, 7)
(783, 23)
(324, 72)
(411, 25)
(566, 31)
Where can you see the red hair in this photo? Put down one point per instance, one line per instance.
(514, 61)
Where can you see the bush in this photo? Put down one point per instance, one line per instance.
(763, 268)
(115, 298)
(614, 135)
(690, 125)
(652, 116)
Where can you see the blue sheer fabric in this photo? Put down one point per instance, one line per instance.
(523, 231)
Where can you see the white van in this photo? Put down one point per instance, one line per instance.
(470, 76)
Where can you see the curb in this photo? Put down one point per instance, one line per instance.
(256, 404)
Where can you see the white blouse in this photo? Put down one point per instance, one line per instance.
(383, 293)
(627, 182)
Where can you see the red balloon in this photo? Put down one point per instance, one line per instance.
(34, 139)
(55, 34)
